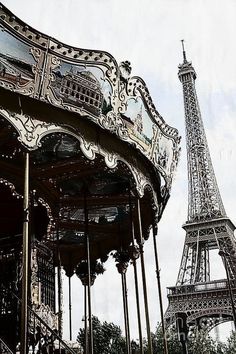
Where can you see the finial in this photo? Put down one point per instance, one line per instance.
(184, 53)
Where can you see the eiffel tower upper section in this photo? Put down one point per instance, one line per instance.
(204, 198)
(208, 226)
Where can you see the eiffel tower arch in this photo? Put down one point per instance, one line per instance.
(196, 299)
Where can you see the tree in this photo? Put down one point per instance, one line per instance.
(201, 342)
(107, 338)
(174, 346)
(231, 344)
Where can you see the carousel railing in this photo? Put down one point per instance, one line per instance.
(41, 337)
(4, 349)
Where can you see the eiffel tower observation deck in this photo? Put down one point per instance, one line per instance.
(196, 299)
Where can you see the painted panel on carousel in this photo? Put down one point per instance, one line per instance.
(17, 64)
(147, 135)
(164, 154)
(139, 125)
(82, 88)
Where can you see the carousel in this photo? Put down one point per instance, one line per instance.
(86, 168)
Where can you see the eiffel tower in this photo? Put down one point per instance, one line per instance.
(196, 299)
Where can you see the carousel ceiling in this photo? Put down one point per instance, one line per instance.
(62, 180)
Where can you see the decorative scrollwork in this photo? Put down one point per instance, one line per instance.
(113, 122)
(45, 314)
(29, 129)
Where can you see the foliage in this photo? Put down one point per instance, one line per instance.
(231, 344)
(107, 338)
(174, 346)
(201, 342)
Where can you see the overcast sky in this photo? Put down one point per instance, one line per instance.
(148, 34)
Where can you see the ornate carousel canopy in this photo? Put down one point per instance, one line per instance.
(95, 138)
(86, 168)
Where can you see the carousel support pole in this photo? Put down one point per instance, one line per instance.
(85, 321)
(126, 317)
(25, 261)
(59, 290)
(144, 280)
(138, 306)
(86, 220)
(127, 312)
(159, 290)
(70, 315)
(136, 279)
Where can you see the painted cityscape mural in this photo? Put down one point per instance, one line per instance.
(138, 122)
(83, 86)
(16, 61)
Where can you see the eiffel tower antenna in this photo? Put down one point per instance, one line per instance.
(207, 228)
(184, 53)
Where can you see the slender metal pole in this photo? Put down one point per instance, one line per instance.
(70, 315)
(127, 336)
(89, 274)
(144, 281)
(127, 310)
(182, 330)
(159, 290)
(59, 283)
(138, 307)
(25, 261)
(184, 347)
(85, 320)
(145, 300)
(136, 278)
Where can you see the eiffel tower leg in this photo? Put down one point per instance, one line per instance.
(223, 255)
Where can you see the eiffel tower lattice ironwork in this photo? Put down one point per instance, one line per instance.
(196, 299)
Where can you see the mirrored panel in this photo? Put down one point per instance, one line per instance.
(17, 63)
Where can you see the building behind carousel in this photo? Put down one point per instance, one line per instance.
(86, 167)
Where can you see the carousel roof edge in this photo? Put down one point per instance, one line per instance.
(11, 20)
(89, 83)
(14, 18)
